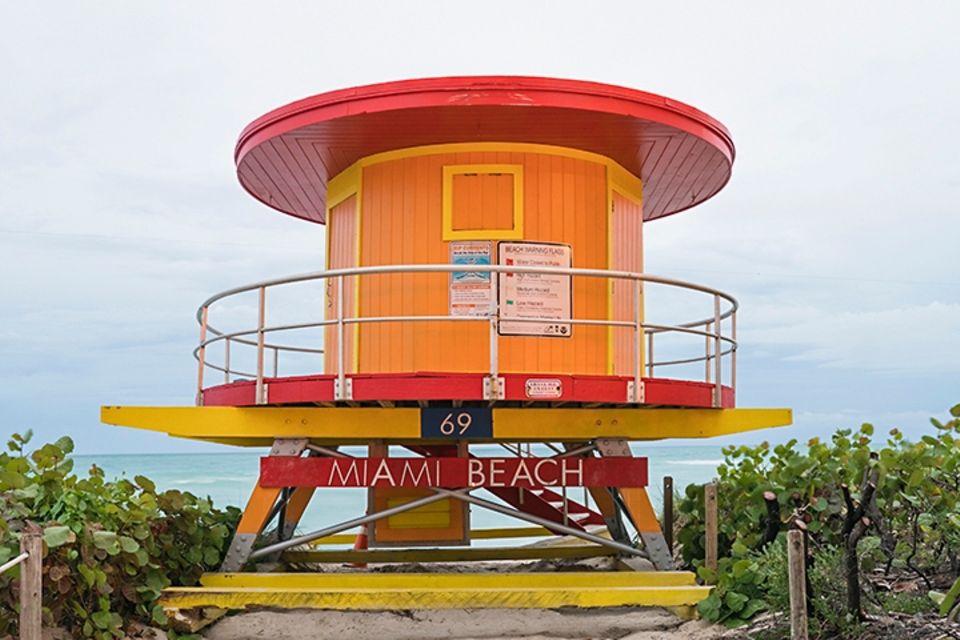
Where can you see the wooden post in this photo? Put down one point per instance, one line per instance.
(710, 509)
(797, 567)
(668, 512)
(31, 577)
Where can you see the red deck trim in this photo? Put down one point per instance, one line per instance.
(663, 141)
(464, 386)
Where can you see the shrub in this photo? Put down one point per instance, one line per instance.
(111, 546)
(914, 527)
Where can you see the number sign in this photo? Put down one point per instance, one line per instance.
(456, 423)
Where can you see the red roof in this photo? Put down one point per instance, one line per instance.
(286, 157)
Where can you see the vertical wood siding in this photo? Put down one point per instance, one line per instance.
(626, 254)
(342, 254)
(482, 201)
(565, 200)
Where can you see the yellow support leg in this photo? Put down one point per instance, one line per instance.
(295, 507)
(639, 509)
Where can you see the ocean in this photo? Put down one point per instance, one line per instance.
(228, 477)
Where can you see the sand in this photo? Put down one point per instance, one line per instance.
(463, 624)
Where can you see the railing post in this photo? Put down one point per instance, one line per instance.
(492, 390)
(650, 355)
(733, 353)
(707, 344)
(276, 361)
(341, 347)
(202, 354)
(226, 361)
(261, 322)
(717, 350)
(638, 395)
(31, 584)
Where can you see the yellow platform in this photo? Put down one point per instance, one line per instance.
(260, 426)
(368, 591)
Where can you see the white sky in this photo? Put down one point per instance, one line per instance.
(120, 211)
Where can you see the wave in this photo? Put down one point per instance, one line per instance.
(209, 480)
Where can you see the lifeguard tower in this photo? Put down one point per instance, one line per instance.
(481, 328)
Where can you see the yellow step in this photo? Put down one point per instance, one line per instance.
(435, 598)
(583, 580)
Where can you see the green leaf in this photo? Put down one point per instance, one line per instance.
(211, 557)
(707, 575)
(735, 601)
(65, 444)
(158, 616)
(102, 619)
(128, 544)
(950, 598)
(709, 607)
(107, 541)
(104, 539)
(740, 567)
(752, 608)
(145, 484)
(58, 536)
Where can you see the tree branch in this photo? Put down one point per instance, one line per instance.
(772, 519)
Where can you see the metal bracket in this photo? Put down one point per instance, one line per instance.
(288, 446)
(494, 388)
(656, 546)
(343, 394)
(613, 447)
(239, 552)
(636, 394)
(263, 393)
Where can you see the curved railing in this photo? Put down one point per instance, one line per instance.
(718, 344)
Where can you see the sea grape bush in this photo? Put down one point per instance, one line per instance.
(915, 528)
(110, 546)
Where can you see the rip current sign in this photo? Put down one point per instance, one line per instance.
(456, 423)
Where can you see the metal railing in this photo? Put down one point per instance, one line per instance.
(718, 344)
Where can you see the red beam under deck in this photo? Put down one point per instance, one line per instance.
(467, 386)
(452, 473)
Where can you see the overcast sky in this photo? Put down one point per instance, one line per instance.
(120, 210)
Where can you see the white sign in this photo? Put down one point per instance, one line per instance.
(471, 292)
(535, 295)
(544, 388)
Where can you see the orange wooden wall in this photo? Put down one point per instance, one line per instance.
(626, 254)
(565, 200)
(341, 254)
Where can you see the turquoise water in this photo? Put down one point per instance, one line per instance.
(228, 477)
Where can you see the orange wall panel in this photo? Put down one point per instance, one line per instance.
(564, 200)
(626, 254)
(341, 254)
(482, 201)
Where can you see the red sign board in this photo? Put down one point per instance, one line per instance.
(452, 473)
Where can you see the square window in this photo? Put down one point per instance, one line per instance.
(483, 202)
